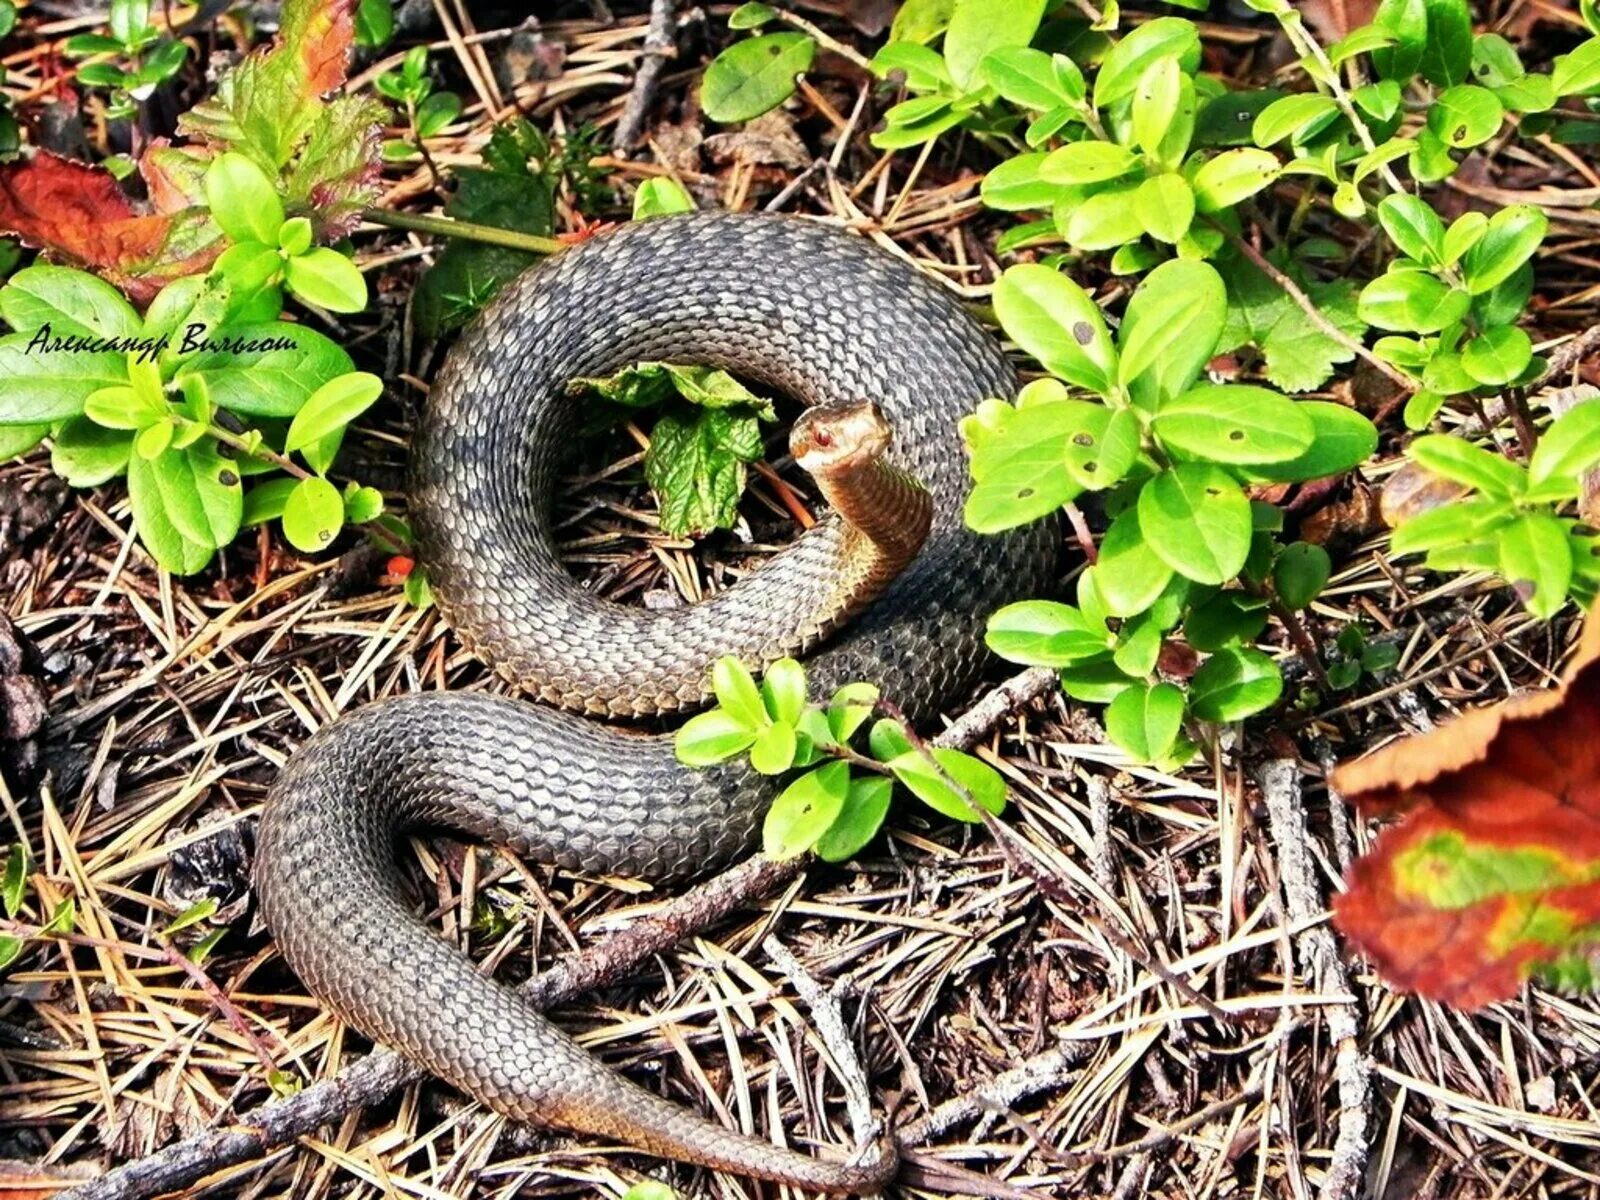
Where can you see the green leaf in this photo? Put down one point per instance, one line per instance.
(1412, 301)
(1129, 573)
(1579, 72)
(696, 467)
(1031, 78)
(201, 493)
(86, 454)
(978, 27)
(1451, 525)
(1103, 221)
(43, 385)
(660, 196)
(436, 112)
(773, 751)
(1198, 521)
(736, 691)
(1569, 447)
(332, 407)
(939, 784)
(805, 810)
(1016, 185)
(1234, 684)
(171, 548)
(1344, 439)
(1414, 227)
(755, 76)
(1170, 330)
(1407, 22)
(1232, 176)
(1300, 573)
(17, 440)
(1043, 633)
(327, 279)
(1298, 117)
(1163, 112)
(858, 822)
(921, 20)
(1497, 356)
(751, 16)
(1298, 354)
(1459, 460)
(712, 737)
(1536, 560)
(15, 879)
(1360, 41)
(1234, 423)
(1164, 205)
(1465, 115)
(1447, 54)
(1145, 720)
(243, 200)
(1127, 61)
(783, 691)
(1510, 239)
(1053, 319)
(1226, 619)
(202, 910)
(362, 504)
(1087, 162)
(313, 514)
(266, 370)
(69, 302)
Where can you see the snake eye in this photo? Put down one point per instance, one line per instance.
(822, 438)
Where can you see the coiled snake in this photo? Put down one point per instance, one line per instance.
(817, 314)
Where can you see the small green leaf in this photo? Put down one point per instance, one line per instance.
(1043, 633)
(712, 737)
(1414, 227)
(1569, 447)
(332, 407)
(660, 196)
(1053, 319)
(69, 301)
(858, 822)
(1465, 115)
(773, 751)
(436, 112)
(313, 514)
(1344, 439)
(1130, 575)
(1170, 330)
(1103, 221)
(783, 691)
(1198, 521)
(1510, 239)
(1536, 560)
(978, 28)
(1234, 684)
(805, 810)
(1164, 205)
(243, 200)
(1412, 301)
(14, 879)
(1232, 176)
(1451, 525)
(1087, 162)
(1298, 117)
(1125, 64)
(751, 16)
(1300, 573)
(1235, 423)
(1145, 720)
(849, 708)
(1497, 356)
(939, 784)
(1579, 72)
(1458, 459)
(755, 76)
(201, 910)
(327, 279)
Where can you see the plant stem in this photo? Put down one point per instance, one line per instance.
(264, 453)
(451, 227)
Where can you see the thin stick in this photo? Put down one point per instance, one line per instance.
(658, 47)
(471, 230)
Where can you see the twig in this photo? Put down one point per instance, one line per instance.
(471, 230)
(658, 47)
(1280, 788)
(1568, 355)
(374, 1078)
(823, 39)
(1029, 1077)
(829, 1021)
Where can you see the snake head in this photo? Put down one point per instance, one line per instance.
(831, 439)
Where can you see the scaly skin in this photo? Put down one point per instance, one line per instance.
(822, 316)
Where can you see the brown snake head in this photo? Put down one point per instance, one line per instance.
(829, 439)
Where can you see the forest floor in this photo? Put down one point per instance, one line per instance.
(1171, 1018)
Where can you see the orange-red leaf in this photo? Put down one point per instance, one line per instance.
(1495, 869)
(78, 211)
(320, 35)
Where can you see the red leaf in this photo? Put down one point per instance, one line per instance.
(78, 211)
(320, 34)
(1495, 869)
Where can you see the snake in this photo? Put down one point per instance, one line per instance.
(893, 589)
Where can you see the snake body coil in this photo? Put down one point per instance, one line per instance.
(819, 315)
